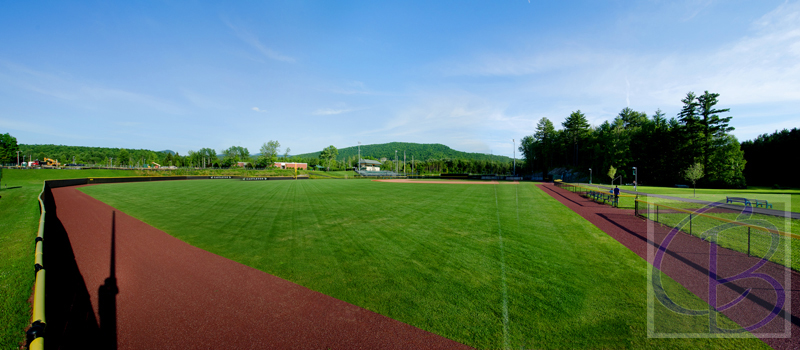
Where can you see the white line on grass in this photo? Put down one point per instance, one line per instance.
(503, 270)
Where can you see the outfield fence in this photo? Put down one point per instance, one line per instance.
(765, 236)
(736, 228)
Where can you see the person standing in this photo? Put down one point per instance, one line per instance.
(616, 196)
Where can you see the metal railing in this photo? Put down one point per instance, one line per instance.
(596, 194)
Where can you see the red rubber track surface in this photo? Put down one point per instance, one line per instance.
(686, 260)
(171, 295)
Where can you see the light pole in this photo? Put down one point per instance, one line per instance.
(17, 158)
(396, 168)
(635, 178)
(359, 156)
(515, 156)
(590, 176)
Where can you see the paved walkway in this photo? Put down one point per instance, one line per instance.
(686, 259)
(757, 210)
(114, 282)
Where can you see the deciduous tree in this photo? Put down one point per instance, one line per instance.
(269, 153)
(612, 171)
(8, 149)
(329, 154)
(694, 173)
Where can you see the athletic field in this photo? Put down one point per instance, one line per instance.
(490, 266)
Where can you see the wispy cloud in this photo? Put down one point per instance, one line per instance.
(762, 67)
(695, 7)
(467, 119)
(354, 88)
(258, 110)
(77, 90)
(333, 111)
(252, 40)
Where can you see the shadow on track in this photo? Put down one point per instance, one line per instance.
(71, 321)
(108, 296)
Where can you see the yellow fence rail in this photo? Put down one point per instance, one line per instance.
(35, 333)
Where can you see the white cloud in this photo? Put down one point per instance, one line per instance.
(252, 40)
(693, 8)
(331, 111)
(258, 110)
(467, 120)
(340, 108)
(762, 67)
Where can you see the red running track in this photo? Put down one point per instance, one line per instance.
(686, 260)
(131, 286)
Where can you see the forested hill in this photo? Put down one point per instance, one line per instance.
(89, 155)
(420, 151)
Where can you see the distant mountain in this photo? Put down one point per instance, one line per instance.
(421, 151)
(167, 151)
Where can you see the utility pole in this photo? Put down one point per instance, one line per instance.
(515, 156)
(404, 163)
(359, 156)
(396, 169)
(17, 158)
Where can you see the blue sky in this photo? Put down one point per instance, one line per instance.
(184, 75)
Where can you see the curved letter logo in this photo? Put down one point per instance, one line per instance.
(741, 294)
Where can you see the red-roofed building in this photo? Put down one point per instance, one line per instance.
(283, 165)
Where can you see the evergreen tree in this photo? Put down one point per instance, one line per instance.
(576, 128)
(690, 130)
(713, 128)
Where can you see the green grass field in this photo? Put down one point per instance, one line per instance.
(502, 266)
(19, 222)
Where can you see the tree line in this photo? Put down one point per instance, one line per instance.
(771, 158)
(330, 158)
(661, 148)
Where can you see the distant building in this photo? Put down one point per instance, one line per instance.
(299, 166)
(242, 164)
(369, 165)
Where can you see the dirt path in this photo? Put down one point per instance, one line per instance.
(131, 286)
(686, 259)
